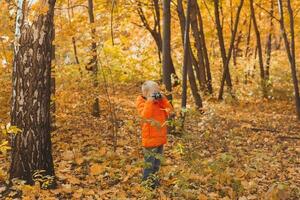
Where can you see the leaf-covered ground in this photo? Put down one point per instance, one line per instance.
(246, 149)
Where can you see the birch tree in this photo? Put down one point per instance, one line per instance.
(31, 149)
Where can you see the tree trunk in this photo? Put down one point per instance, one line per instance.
(205, 52)
(93, 64)
(156, 34)
(73, 38)
(221, 43)
(236, 49)
(248, 39)
(198, 45)
(290, 49)
(259, 50)
(31, 149)
(75, 50)
(53, 91)
(188, 56)
(166, 48)
(228, 57)
(269, 43)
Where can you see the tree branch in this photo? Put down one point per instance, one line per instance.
(268, 12)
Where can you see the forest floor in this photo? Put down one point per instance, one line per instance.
(244, 149)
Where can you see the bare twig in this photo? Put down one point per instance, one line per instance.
(256, 129)
(268, 12)
(71, 7)
(206, 6)
(283, 137)
(111, 22)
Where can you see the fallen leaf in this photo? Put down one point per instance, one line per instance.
(68, 155)
(96, 169)
(202, 197)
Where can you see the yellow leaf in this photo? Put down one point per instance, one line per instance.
(96, 169)
(73, 180)
(202, 197)
(79, 160)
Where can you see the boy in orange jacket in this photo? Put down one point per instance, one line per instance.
(154, 109)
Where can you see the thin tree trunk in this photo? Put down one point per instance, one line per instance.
(221, 43)
(188, 56)
(269, 43)
(236, 45)
(75, 50)
(198, 45)
(248, 39)
(290, 49)
(228, 57)
(73, 38)
(166, 48)
(205, 52)
(259, 50)
(31, 149)
(156, 34)
(93, 64)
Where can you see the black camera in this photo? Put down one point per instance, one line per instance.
(157, 96)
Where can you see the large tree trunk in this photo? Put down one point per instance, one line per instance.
(290, 49)
(93, 64)
(31, 149)
(166, 48)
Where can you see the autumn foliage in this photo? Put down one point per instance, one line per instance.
(239, 138)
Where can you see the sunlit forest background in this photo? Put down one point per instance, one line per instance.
(244, 145)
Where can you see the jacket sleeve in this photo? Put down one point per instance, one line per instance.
(167, 105)
(144, 107)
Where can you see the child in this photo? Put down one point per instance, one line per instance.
(154, 108)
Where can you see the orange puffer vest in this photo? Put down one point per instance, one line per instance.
(154, 115)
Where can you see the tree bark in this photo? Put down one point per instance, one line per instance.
(53, 91)
(31, 149)
(93, 64)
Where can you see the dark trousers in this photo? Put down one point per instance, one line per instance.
(152, 158)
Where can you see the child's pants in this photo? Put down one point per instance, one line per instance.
(152, 158)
